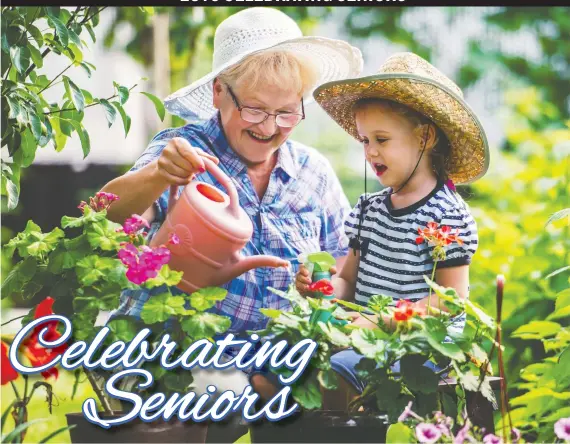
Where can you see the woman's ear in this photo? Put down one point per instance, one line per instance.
(218, 91)
(427, 136)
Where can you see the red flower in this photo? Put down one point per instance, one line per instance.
(405, 310)
(32, 349)
(447, 238)
(438, 236)
(323, 286)
(8, 372)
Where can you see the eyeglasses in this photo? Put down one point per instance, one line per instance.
(256, 115)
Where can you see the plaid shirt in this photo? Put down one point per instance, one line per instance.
(303, 210)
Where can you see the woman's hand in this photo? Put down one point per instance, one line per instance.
(179, 161)
(303, 279)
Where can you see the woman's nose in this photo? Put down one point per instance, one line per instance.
(268, 126)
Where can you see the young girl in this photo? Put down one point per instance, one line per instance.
(420, 138)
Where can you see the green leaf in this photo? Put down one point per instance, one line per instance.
(74, 93)
(336, 336)
(270, 312)
(57, 432)
(125, 328)
(478, 313)
(417, 377)
(110, 111)
(44, 243)
(103, 235)
(88, 271)
(157, 104)
(537, 330)
(20, 56)
(308, 396)
(328, 379)
(36, 56)
(86, 69)
(399, 432)
(161, 307)
(125, 118)
(89, 217)
(541, 392)
(60, 30)
(27, 151)
(166, 276)
(36, 126)
(9, 437)
(366, 342)
(75, 54)
(91, 32)
(559, 215)
(14, 108)
(206, 298)
(122, 92)
(6, 413)
(205, 325)
(83, 137)
(36, 34)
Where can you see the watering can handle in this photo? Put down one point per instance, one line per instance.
(222, 177)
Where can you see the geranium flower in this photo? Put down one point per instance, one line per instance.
(101, 201)
(324, 286)
(492, 439)
(8, 372)
(427, 433)
(173, 239)
(515, 434)
(134, 224)
(143, 264)
(36, 353)
(446, 237)
(405, 310)
(562, 429)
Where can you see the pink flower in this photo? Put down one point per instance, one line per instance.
(562, 429)
(427, 433)
(515, 434)
(492, 439)
(463, 433)
(128, 255)
(134, 224)
(173, 239)
(407, 413)
(139, 275)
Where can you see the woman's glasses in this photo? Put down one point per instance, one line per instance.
(256, 115)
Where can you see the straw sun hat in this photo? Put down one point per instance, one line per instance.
(410, 80)
(253, 30)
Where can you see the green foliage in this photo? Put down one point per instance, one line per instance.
(31, 120)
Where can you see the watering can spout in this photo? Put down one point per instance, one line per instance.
(244, 264)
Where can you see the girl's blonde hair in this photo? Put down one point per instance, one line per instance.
(284, 69)
(442, 149)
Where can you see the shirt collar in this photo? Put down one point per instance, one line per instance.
(231, 161)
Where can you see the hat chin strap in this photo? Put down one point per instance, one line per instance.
(356, 244)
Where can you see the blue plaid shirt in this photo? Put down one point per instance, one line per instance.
(303, 210)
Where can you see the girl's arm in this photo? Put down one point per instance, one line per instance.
(455, 277)
(345, 283)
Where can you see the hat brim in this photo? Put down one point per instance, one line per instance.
(334, 60)
(469, 157)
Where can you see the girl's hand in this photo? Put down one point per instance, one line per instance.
(303, 279)
(360, 321)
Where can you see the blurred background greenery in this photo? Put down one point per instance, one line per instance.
(512, 63)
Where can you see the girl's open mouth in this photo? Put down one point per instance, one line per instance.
(380, 169)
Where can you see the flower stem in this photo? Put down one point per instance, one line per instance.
(100, 394)
(15, 391)
(432, 278)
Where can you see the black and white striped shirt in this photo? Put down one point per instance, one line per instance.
(391, 262)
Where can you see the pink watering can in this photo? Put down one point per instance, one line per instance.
(212, 229)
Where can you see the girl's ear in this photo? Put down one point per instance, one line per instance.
(427, 136)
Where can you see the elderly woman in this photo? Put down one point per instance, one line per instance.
(245, 110)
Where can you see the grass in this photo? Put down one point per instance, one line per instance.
(38, 408)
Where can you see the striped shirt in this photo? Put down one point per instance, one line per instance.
(391, 262)
(302, 211)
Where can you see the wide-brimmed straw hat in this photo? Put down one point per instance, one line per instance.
(408, 79)
(254, 30)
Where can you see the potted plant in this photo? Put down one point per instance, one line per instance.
(82, 268)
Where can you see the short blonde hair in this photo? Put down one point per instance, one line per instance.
(283, 69)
